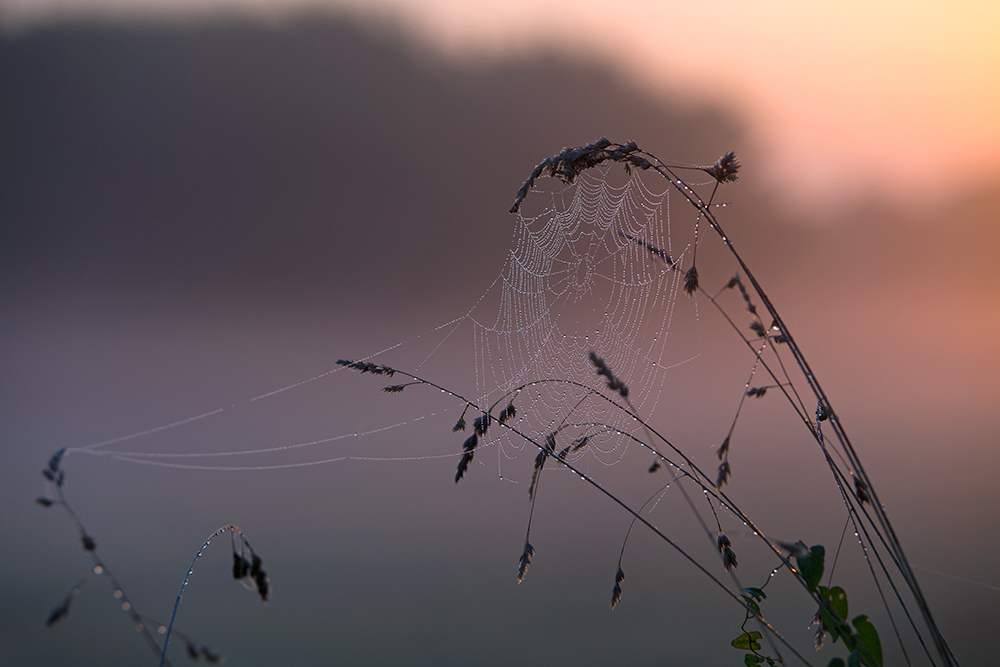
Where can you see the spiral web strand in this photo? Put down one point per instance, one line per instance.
(577, 278)
(576, 281)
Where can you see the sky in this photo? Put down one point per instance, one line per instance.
(195, 214)
(889, 96)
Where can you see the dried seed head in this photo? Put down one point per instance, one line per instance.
(543, 454)
(482, 423)
(614, 384)
(725, 168)
(263, 584)
(241, 567)
(459, 425)
(616, 593)
(56, 460)
(571, 162)
(507, 413)
(525, 562)
(211, 657)
(196, 651)
(820, 634)
(728, 555)
(729, 559)
(823, 412)
(757, 327)
(56, 614)
(463, 465)
(662, 254)
(367, 367)
(861, 489)
(757, 391)
(691, 281)
(45, 502)
(724, 471)
(723, 449)
(394, 388)
(88, 543)
(259, 577)
(654, 466)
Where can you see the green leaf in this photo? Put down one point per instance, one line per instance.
(836, 600)
(751, 660)
(811, 566)
(752, 604)
(853, 659)
(836, 662)
(756, 593)
(868, 637)
(748, 641)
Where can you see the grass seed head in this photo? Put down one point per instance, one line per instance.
(725, 168)
(241, 567)
(691, 281)
(56, 614)
(723, 449)
(482, 423)
(820, 634)
(56, 460)
(507, 413)
(463, 465)
(724, 472)
(728, 555)
(525, 562)
(259, 577)
(861, 489)
(616, 593)
(571, 162)
(614, 384)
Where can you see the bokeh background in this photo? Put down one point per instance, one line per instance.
(200, 204)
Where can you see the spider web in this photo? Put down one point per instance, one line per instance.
(580, 278)
(595, 270)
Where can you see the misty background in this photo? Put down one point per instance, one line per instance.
(193, 214)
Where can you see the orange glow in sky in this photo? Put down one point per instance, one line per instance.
(886, 95)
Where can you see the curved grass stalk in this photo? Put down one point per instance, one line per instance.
(243, 569)
(568, 164)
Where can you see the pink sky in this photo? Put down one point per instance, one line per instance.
(883, 96)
